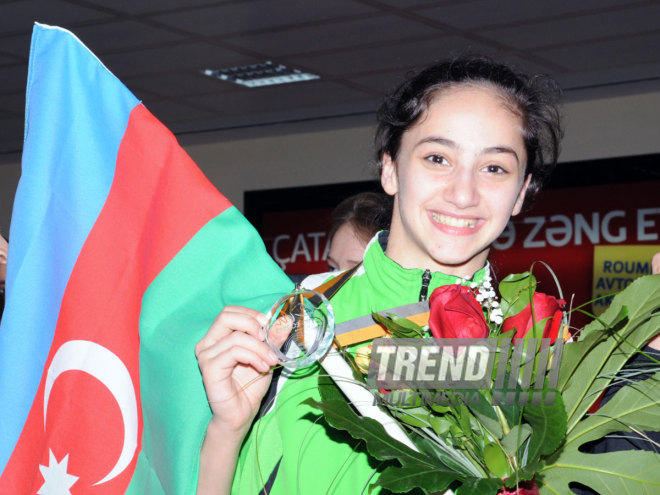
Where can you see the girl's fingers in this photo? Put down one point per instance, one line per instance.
(225, 362)
(242, 340)
(280, 330)
(233, 319)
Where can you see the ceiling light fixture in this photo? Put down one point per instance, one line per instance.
(257, 75)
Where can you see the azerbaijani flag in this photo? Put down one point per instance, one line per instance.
(121, 254)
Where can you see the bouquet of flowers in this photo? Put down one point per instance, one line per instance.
(515, 440)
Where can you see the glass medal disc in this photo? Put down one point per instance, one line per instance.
(308, 317)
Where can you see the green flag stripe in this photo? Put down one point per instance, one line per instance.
(225, 263)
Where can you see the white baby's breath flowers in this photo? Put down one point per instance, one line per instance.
(486, 296)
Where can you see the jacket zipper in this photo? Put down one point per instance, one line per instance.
(426, 279)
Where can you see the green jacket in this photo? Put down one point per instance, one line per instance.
(290, 450)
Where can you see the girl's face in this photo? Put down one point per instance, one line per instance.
(458, 178)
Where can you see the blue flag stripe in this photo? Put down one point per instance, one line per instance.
(68, 159)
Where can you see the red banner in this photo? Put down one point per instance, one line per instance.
(567, 226)
(298, 240)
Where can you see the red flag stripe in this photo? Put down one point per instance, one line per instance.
(158, 200)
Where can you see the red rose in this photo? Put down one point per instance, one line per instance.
(545, 306)
(455, 313)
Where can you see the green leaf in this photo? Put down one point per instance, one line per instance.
(479, 486)
(548, 428)
(587, 366)
(403, 399)
(404, 479)
(635, 404)
(513, 440)
(517, 291)
(358, 376)
(614, 472)
(440, 424)
(619, 318)
(328, 390)
(398, 326)
(485, 413)
(512, 414)
(439, 409)
(463, 416)
(406, 323)
(418, 416)
(496, 460)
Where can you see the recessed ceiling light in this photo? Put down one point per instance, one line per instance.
(257, 75)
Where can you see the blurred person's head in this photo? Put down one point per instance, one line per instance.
(354, 222)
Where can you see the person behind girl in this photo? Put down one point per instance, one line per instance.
(355, 220)
(461, 146)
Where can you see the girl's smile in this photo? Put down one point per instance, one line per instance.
(455, 225)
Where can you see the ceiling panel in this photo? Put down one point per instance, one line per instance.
(18, 16)
(280, 98)
(481, 13)
(13, 105)
(12, 80)
(177, 113)
(175, 84)
(618, 53)
(134, 7)
(415, 4)
(605, 82)
(257, 15)
(189, 57)
(351, 33)
(124, 35)
(403, 55)
(601, 26)
(16, 47)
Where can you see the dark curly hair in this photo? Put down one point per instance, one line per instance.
(535, 98)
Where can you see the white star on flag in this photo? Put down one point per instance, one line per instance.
(56, 480)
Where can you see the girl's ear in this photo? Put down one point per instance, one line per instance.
(521, 196)
(388, 177)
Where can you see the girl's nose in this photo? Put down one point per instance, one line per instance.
(461, 189)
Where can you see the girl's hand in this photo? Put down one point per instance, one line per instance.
(236, 365)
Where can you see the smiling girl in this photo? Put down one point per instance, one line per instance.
(461, 146)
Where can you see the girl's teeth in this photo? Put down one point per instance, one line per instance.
(454, 222)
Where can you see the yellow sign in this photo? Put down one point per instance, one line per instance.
(615, 267)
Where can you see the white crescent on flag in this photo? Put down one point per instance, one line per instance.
(96, 360)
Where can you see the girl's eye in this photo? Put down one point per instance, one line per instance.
(437, 159)
(494, 169)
